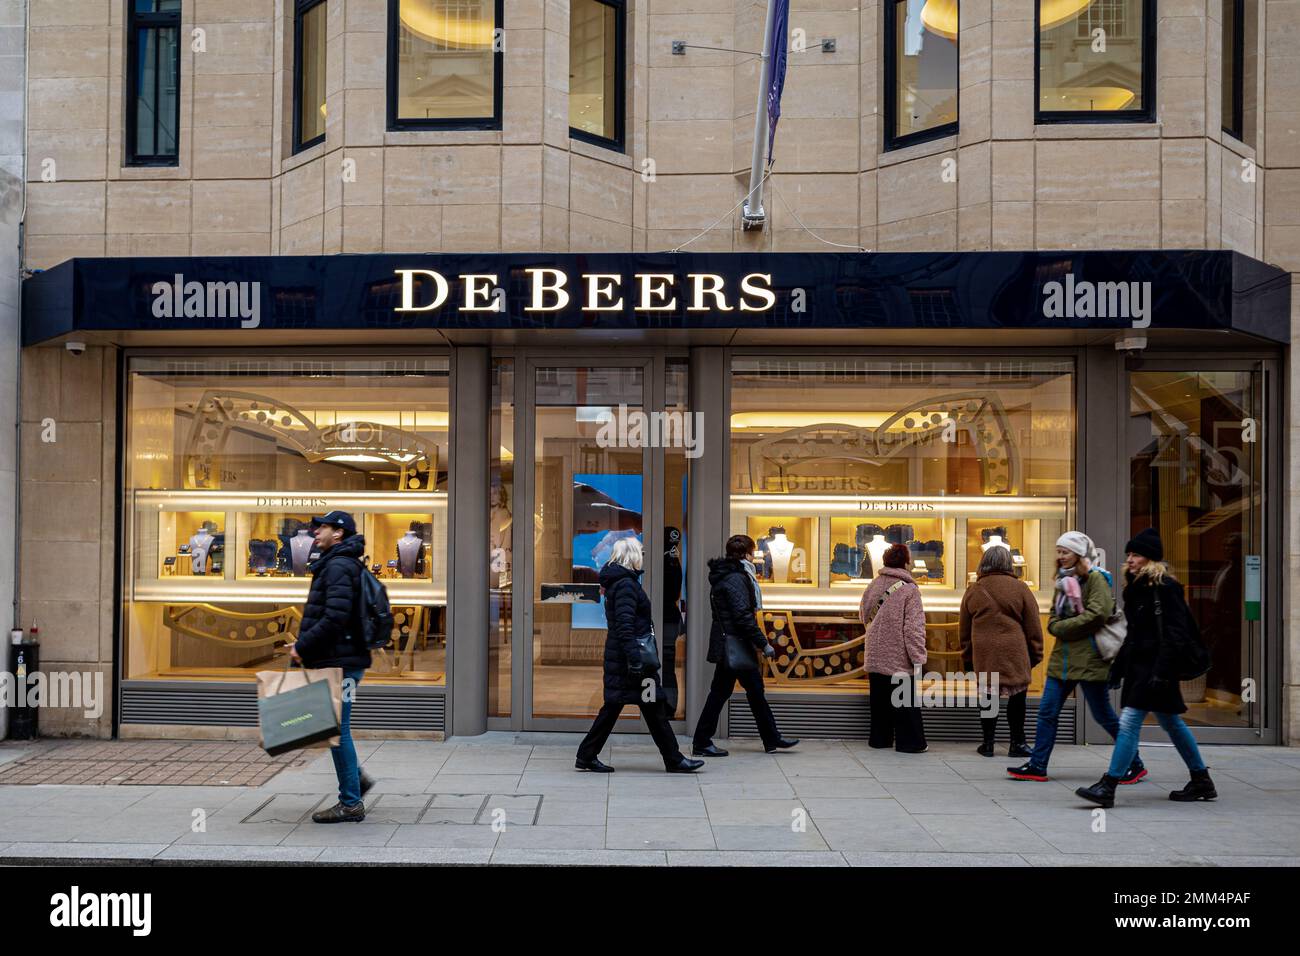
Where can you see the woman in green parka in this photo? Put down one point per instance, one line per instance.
(1082, 604)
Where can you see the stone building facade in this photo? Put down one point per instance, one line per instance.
(1000, 182)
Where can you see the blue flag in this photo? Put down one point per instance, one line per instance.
(776, 54)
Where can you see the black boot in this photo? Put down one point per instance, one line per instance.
(1200, 787)
(1101, 793)
(1019, 748)
(989, 728)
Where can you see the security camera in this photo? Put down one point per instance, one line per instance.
(76, 348)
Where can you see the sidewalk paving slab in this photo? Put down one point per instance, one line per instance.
(580, 857)
(827, 802)
(87, 851)
(857, 858)
(225, 853)
(801, 858)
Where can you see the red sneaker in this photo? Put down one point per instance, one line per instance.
(1133, 776)
(1028, 772)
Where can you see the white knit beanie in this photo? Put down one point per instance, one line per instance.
(1076, 541)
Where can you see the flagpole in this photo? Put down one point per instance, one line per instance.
(752, 215)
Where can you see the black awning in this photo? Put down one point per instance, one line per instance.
(1065, 291)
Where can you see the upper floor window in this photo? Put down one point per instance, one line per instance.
(920, 71)
(309, 73)
(444, 64)
(1096, 60)
(1238, 86)
(153, 82)
(596, 32)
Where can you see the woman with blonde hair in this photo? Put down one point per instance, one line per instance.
(1162, 640)
(629, 678)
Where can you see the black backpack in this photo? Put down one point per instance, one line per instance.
(375, 613)
(1191, 658)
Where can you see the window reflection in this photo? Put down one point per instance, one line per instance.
(446, 67)
(1194, 459)
(1090, 56)
(594, 60)
(311, 74)
(924, 64)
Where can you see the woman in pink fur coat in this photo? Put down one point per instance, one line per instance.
(895, 621)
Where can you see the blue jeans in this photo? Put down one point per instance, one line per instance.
(1130, 728)
(1055, 694)
(345, 754)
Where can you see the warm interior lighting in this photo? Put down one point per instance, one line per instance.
(1089, 98)
(940, 16)
(408, 421)
(431, 24)
(369, 459)
(768, 420)
(1001, 507)
(1052, 13)
(271, 502)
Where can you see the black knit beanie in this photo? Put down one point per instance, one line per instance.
(1147, 543)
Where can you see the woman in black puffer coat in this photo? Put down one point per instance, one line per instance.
(628, 617)
(1148, 665)
(735, 598)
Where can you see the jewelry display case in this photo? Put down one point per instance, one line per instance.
(228, 460)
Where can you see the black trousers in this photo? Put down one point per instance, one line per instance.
(656, 718)
(900, 726)
(1015, 719)
(724, 682)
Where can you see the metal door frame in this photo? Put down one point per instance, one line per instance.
(1268, 644)
(653, 364)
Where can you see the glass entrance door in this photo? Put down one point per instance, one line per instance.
(590, 488)
(1196, 443)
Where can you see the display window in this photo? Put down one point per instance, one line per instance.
(228, 460)
(832, 462)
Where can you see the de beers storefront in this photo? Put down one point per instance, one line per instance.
(497, 422)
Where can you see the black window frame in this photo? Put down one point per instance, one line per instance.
(1238, 26)
(300, 10)
(154, 21)
(618, 141)
(893, 141)
(395, 124)
(1145, 115)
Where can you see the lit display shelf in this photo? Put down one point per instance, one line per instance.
(252, 547)
(846, 598)
(937, 506)
(269, 590)
(818, 553)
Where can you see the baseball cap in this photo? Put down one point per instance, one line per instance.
(337, 519)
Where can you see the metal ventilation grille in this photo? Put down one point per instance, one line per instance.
(237, 707)
(850, 718)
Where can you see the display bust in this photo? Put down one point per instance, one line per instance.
(300, 546)
(780, 548)
(200, 544)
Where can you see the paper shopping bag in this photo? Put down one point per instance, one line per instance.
(298, 708)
